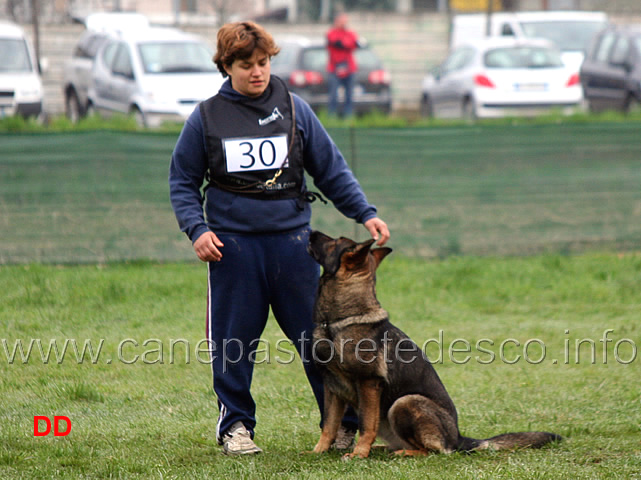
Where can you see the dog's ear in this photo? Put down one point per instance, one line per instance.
(357, 254)
(360, 250)
(366, 244)
(380, 254)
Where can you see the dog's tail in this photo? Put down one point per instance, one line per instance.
(509, 441)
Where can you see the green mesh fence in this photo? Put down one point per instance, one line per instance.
(480, 190)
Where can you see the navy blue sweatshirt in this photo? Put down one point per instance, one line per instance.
(227, 212)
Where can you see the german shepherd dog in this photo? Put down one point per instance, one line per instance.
(370, 364)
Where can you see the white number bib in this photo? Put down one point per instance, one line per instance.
(252, 154)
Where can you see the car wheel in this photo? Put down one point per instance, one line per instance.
(468, 110)
(72, 107)
(427, 109)
(632, 105)
(91, 110)
(139, 117)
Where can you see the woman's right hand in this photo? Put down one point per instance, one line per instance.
(206, 247)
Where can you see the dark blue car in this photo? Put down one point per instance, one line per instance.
(611, 71)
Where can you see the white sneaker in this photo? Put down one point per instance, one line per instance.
(344, 438)
(238, 441)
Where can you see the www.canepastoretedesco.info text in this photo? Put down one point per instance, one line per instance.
(604, 348)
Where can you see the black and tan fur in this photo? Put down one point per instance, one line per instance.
(370, 364)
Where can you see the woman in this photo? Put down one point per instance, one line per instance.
(252, 142)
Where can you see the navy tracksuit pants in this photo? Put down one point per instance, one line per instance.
(258, 272)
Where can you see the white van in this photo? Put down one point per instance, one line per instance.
(21, 91)
(571, 31)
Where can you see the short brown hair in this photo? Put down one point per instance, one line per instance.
(239, 40)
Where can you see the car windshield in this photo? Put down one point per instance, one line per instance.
(176, 57)
(90, 46)
(568, 36)
(366, 59)
(522, 57)
(14, 56)
(316, 59)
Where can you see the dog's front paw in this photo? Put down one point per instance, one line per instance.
(321, 447)
(349, 456)
(362, 452)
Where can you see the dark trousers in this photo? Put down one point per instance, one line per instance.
(258, 272)
(335, 82)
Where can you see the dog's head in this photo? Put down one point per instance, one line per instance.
(332, 253)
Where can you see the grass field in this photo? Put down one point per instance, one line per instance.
(143, 407)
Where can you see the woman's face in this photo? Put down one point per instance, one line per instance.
(251, 75)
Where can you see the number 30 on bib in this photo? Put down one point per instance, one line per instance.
(252, 154)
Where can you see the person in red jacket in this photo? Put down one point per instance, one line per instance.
(341, 43)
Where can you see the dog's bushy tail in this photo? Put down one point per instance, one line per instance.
(509, 441)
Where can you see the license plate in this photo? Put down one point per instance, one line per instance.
(530, 87)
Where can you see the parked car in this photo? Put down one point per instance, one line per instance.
(77, 73)
(571, 31)
(302, 64)
(21, 91)
(499, 77)
(611, 71)
(100, 27)
(156, 74)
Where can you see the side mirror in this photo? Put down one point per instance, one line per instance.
(43, 65)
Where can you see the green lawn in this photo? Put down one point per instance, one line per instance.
(143, 408)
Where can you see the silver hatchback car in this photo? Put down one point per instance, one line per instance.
(156, 74)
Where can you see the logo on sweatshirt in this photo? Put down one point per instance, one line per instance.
(271, 118)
